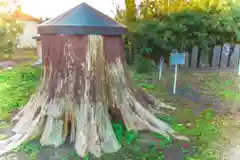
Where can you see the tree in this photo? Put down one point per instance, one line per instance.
(85, 84)
(184, 30)
(131, 10)
(78, 95)
(156, 9)
(120, 15)
(167, 24)
(19, 8)
(10, 29)
(44, 20)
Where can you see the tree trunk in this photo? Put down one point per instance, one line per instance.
(131, 10)
(85, 80)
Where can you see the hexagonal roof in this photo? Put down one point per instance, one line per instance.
(82, 20)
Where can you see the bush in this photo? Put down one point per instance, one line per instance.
(10, 29)
(143, 65)
(129, 58)
(183, 30)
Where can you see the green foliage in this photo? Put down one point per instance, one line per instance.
(120, 15)
(44, 20)
(202, 138)
(130, 10)
(31, 148)
(124, 137)
(143, 65)
(156, 9)
(184, 30)
(204, 130)
(227, 89)
(16, 86)
(181, 25)
(10, 29)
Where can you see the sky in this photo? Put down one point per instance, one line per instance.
(52, 8)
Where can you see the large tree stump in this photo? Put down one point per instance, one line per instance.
(85, 82)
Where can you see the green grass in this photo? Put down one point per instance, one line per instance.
(16, 86)
(224, 86)
(30, 148)
(204, 130)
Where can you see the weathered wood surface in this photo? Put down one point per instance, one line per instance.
(225, 55)
(194, 57)
(216, 56)
(204, 62)
(235, 56)
(221, 58)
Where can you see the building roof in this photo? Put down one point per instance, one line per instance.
(82, 19)
(36, 37)
(21, 16)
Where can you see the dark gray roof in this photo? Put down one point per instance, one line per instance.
(81, 20)
(36, 37)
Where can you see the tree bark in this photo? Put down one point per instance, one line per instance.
(85, 79)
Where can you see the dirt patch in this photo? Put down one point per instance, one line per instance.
(219, 90)
(214, 90)
(12, 63)
(5, 64)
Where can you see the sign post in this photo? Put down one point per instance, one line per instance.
(161, 67)
(175, 79)
(176, 59)
(239, 67)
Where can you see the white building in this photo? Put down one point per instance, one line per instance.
(39, 49)
(29, 23)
